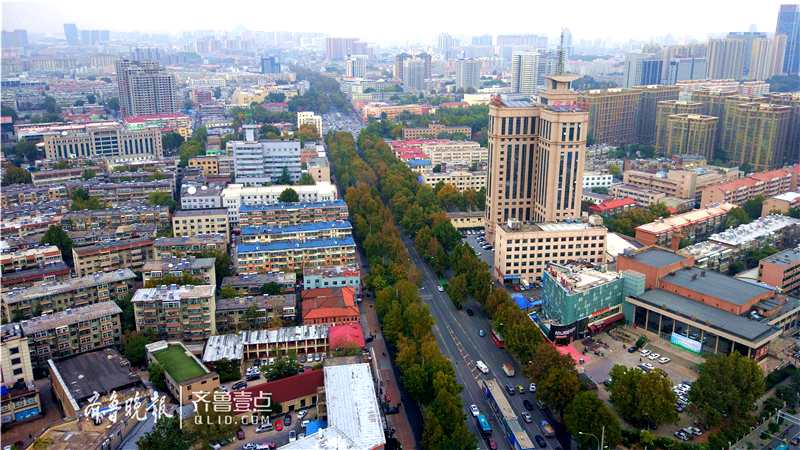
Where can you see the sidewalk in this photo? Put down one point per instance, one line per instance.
(397, 421)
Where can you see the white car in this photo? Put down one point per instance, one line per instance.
(654, 356)
(648, 366)
(664, 360)
(301, 414)
(292, 436)
(304, 423)
(644, 352)
(439, 288)
(479, 254)
(474, 409)
(532, 387)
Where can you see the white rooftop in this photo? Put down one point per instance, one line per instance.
(788, 196)
(753, 230)
(227, 346)
(286, 334)
(352, 405)
(564, 226)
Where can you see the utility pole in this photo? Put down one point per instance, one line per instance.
(603, 429)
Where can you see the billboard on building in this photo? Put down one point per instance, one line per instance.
(686, 343)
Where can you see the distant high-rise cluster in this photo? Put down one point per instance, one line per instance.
(270, 64)
(338, 48)
(84, 37)
(355, 66)
(413, 70)
(144, 88)
(16, 38)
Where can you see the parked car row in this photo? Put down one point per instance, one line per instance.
(651, 356)
(682, 391)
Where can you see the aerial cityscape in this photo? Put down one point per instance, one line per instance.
(449, 226)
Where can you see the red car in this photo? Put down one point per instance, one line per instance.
(240, 434)
(492, 444)
(278, 425)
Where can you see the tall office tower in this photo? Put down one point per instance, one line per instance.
(766, 57)
(355, 66)
(413, 74)
(427, 59)
(793, 134)
(641, 69)
(468, 73)
(546, 63)
(536, 157)
(713, 102)
(71, 34)
(532, 41)
(668, 108)
(270, 64)
(612, 115)
(691, 134)
(524, 72)
(760, 134)
(682, 69)
(145, 89)
(16, 38)
(569, 50)
(789, 25)
(398, 64)
(445, 43)
(647, 108)
(486, 39)
(748, 37)
(726, 58)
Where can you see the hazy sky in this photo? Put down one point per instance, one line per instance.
(405, 19)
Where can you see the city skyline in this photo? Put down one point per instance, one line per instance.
(619, 16)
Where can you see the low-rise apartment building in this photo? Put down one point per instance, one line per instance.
(613, 207)
(781, 203)
(40, 256)
(55, 177)
(172, 268)
(461, 179)
(335, 229)
(768, 184)
(693, 225)
(251, 284)
(193, 222)
(34, 275)
(522, 250)
(231, 317)
(73, 331)
(49, 298)
(643, 197)
(237, 195)
(331, 306)
(108, 256)
(433, 130)
(28, 194)
(332, 276)
(198, 195)
(122, 214)
(597, 179)
(28, 226)
(277, 342)
(286, 214)
(319, 169)
(20, 399)
(777, 231)
(189, 245)
(781, 270)
(182, 313)
(467, 220)
(126, 191)
(213, 164)
(294, 255)
(674, 183)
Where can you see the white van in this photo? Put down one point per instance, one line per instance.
(482, 367)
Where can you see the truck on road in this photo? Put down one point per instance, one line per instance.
(482, 366)
(508, 369)
(546, 428)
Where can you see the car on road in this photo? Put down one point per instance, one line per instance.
(528, 405)
(470, 312)
(632, 349)
(481, 333)
(664, 360)
(526, 416)
(795, 441)
(439, 288)
(492, 444)
(532, 387)
(510, 389)
(302, 414)
(292, 436)
(249, 446)
(239, 385)
(264, 427)
(240, 434)
(392, 410)
(644, 352)
(520, 389)
(647, 367)
(304, 423)
(474, 410)
(479, 253)
(654, 356)
(302, 358)
(278, 425)
(287, 420)
(540, 440)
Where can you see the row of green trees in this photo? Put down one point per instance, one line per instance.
(406, 320)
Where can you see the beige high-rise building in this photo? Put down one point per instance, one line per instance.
(536, 157)
(612, 115)
(793, 134)
(728, 121)
(726, 58)
(664, 110)
(692, 134)
(758, 136)
(713, 102)
(766, 58)
(647, 109)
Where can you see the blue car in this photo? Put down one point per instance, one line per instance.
(481, 333)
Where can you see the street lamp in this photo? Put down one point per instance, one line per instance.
(590, 434)
(599, 441)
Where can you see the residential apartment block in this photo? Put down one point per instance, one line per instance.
(55, 177)
(332, 276)
(58, 296)
(73, 331)
(277, 342)
(667, 108)
(308, 117)
(433, 131)
(34, 275)
(121, 214)
(774, 231)
(189, 245)
(329, 306)
(263, 162)
(108, 256)
(756, 133)
(319, 170)
(127, 191)
(693, 134)
(237, 195)
(200, 269)
(193, 222)
(182, 313)
(213, 164)
(768, 184)
(230, 312)
(781, 270)
(100, 141)
(693, 225)
(199, 196)
(647, 109)
(597, 179)
(461, 179)
(28, 194)
(612, 115)
(644, 197)
(187, 378)
(782, 203)
(20, 399)
(145, 89)
(294, 255)
(247, 285)
(335, 229)
(441, 151)
(286, 214)
(39, 256)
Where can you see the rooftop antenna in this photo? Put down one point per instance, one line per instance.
(560, 68)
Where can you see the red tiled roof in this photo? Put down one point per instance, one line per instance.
(341, 336)
(613, 204)
(328, 302)
(279, 391)
(767, 176)
(735, 184)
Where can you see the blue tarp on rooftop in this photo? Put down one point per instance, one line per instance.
(313, 427)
